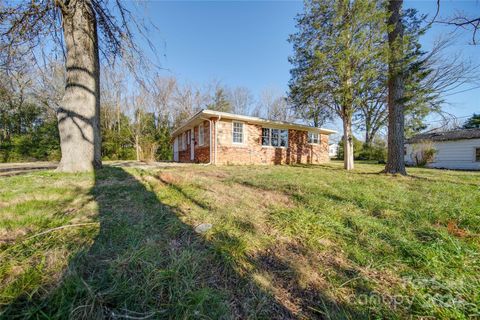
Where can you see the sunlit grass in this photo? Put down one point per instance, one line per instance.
(286, 242)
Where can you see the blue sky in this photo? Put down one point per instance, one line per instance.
(244, 43)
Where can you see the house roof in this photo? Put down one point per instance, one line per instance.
(206, 114)
(460, 134)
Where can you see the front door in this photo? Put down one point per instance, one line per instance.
(192, 145)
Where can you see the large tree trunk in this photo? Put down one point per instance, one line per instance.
(79, 116)
(396, 119)
(347, 143)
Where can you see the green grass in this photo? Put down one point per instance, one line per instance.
(287, 242)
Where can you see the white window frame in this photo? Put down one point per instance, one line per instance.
(475, 154)
(312, 141)
(201, 135)
(270, 138)
(233, 131)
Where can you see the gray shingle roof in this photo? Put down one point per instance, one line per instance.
(459, 134)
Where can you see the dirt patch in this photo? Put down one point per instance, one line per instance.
(10, 236)
(169, 178)
(455, 230)
(218, 175)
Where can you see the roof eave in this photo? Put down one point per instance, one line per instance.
(226, 115)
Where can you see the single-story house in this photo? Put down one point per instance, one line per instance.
(456, 149)
(225, 138)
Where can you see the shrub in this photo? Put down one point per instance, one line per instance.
(423, 153)
(377, 151)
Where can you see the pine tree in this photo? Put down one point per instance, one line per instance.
(473, 122)
(396, 90)
(335, 45)
(220, 101)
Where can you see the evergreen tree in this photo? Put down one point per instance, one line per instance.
(335, 46)
(220, 101)
(473, 122)
(396, 89)
(424, 83)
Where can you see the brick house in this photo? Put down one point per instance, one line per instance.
(226, 138)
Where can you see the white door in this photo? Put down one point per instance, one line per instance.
(192, 145)
(175, 149)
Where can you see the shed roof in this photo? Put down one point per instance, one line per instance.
(203, 114)
(459, 134)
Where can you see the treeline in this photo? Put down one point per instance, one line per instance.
(340, 70)
(136, 117)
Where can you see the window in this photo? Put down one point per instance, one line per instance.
(477, 154)
(237, 132)
(283, 138)
(184, 141)
(313, 137)
(274, 137)
(265, 136)
(201, 134)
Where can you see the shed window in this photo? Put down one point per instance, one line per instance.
(201, 135)
(237, 132)
(274, 137)
(313, 137)
(477, 154)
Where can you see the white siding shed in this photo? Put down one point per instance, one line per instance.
(452, 151)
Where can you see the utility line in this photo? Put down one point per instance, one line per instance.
(461, 91)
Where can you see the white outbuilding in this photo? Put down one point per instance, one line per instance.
(456, 149)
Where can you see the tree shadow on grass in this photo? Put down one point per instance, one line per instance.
(145, 263)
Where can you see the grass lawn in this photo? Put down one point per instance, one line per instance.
(287, 242)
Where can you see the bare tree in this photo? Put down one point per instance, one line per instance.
(164, 89)
(241, 99)
(113, 89)
(280, 110)
(463, 20)
(273, 105)
(49, 86)
(31, 23)
(187, 99)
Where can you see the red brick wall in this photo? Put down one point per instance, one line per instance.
(201, 153)
(252, 151)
